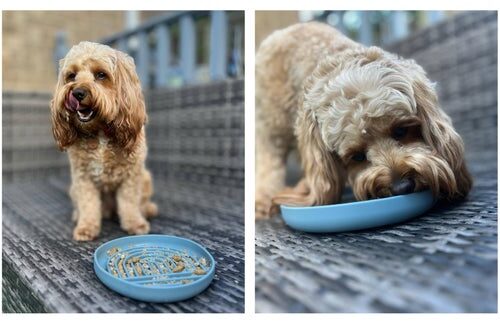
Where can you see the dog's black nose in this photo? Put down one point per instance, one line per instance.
(79, 94)
(403, 186)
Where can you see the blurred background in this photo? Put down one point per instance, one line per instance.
(436, 263)
(191, 66)
(367, 27)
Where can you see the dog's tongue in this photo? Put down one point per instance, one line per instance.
(72, 103)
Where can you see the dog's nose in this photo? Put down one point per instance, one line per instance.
(403, 186)
(79, 94)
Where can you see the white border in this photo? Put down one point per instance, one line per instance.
(249, 161)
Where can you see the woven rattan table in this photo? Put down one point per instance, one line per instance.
(44, 270)
(445, 261)
(195, 140)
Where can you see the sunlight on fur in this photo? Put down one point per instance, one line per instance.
(359, 116)
(98, 116)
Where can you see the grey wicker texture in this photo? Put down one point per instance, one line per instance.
(28, 150)
(44, 270)
(444, 261)
(200, 138)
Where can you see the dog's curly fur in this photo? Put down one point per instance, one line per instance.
(107, 152)
(359, 115)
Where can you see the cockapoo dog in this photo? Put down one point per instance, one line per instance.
(358, 115)
(98, 116)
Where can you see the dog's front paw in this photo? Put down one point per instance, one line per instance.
(85, 232)
(137, 226)
(263, 208)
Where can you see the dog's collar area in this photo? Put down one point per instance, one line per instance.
(107, 130)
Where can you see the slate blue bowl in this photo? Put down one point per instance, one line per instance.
(358, 215)
(154, 253)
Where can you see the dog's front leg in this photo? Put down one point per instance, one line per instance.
(270, 171)
(128, 198)
(87, 203)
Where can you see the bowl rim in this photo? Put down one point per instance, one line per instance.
(361, 203)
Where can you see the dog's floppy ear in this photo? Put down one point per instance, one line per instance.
(130, 103)
(323, 180)
(438, 132)
(64, 134)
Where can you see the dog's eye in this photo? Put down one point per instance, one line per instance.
(70, 77)
(399, 132)
(359, 157)
(100, 76)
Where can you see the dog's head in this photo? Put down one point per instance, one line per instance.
(97, 90)
(372, 120)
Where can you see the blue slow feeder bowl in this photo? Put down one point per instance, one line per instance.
(358, 215)
(154, 268)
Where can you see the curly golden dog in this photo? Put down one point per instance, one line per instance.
(358, 116)
(98, 116)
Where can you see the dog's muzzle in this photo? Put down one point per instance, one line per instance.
(83, 113)
(403, 187)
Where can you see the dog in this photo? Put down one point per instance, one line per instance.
(98, 117)
(357, 115)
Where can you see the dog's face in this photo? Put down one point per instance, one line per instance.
(372, 120)
(382, 148)
(97, 90)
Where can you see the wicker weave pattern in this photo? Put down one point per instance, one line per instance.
(29, 150)
(195, 136)
(445, 261)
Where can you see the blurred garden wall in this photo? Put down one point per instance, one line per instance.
(29, 38)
